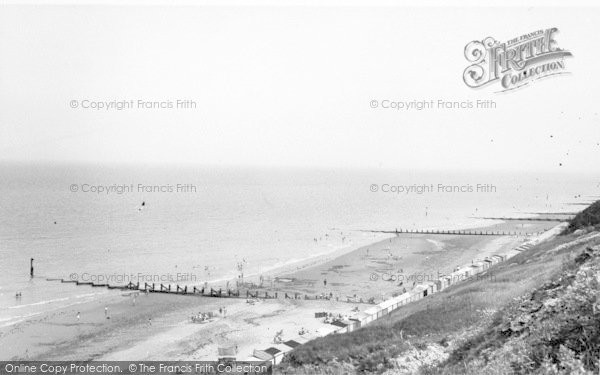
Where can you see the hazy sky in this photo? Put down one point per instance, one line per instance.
(290, 86)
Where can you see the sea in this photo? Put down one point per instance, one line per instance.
(191, 225)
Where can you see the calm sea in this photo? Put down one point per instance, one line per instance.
(224, 221)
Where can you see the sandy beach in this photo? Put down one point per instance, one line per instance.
(385, 268)
(158, 326)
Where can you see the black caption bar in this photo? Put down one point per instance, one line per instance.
(135, 367)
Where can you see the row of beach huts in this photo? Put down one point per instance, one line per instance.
(276, 352)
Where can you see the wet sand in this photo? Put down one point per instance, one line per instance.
(384, 269)
(158, 326)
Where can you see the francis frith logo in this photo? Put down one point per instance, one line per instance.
(515, 63)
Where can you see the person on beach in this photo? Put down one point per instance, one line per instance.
(325, 283)
(31, 267)
(106, 312)
(78, 316)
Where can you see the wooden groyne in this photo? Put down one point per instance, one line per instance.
(210, 292)
(522, 218)
(553, 213)
(385, 308)
(253, 292)
(469, 232)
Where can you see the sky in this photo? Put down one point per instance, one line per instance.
(289, 86)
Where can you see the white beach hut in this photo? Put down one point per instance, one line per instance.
(461, 274)
(527, 245)
(446, 281)
(351, 324)
(386, 307)
(276, 353)
(360, 319)
(430, 285)
(468, 271)
(512, 253)
(414, 296)
(403, 298)
(488, 263)
(396, 302)
(372, 313)
(476, 268)
(422, 290)
(417, 292)
(342, 327)
(261, 355)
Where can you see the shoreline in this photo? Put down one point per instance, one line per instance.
(318, 259)
(159, 324)
(402, 256)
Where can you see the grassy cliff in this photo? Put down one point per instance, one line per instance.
(590, 217)
(536, 313)
(555, 329)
